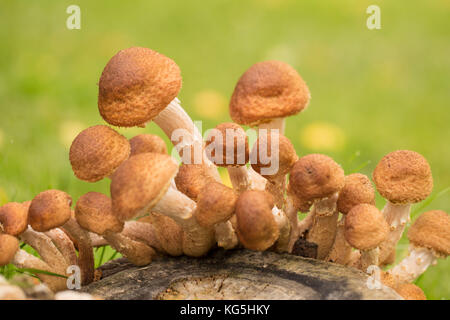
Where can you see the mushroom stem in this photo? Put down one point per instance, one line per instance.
(46, 249)
(197, 239)
(416, 263)
(142, 231)
(85, 251)
(291, 212)
(397, 216)
(174, 117)
(225, 235)
(342, 250)
(239, 178)
(136, 252)
(369, 258)
(258, 182)
(24, 260)
(276, 186)
(282, 244)
(277, 123)
(64, 245)
(324, 224)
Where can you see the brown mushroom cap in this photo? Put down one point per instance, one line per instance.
(97, 152)
(268, 90)
(238, 150)
(316, 176)
(190, 179)
(8, 248)
(409, 291)
(256, 225)
(286, 153)
(365, 227)
(49, 209)
(357, 189)
(93, 212)
(403, 176)
(432, 230)
(140, 182)
(216, 203)
(144, 143)
(13, 218)
(136, 85)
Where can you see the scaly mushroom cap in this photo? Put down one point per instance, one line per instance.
(13, 218)
(216, 203)
(140, 182)
(8, 248)
(256, 225)
(409, 291)
(97, 152)
(403, 176)
(432, 230)
(268, 90)
(49, 209)
(263, 147)
(316, 176)
(238, 153)
(136, 85)
(357, 189)
(93, 212)
(144, 143)
(190, 179)
(365, 227)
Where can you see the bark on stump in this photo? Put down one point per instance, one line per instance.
(235, 274)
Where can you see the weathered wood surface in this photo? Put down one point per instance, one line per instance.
(235, 274)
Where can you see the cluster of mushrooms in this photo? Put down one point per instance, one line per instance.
(158, 207)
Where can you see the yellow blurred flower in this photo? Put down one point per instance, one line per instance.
(210, 104)
(68, 130)
(322, 136)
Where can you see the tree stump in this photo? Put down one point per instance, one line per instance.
(235, 274)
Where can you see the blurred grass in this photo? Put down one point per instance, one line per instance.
(372, 91)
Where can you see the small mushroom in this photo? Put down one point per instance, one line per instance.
(52, 209)
(266, 94)
(216, 205)
(429, 238)
(8, 248)
(190, 179)
(13, 218)
(273, 156)
(316, 180)
(139, 85)
(143, 184)
(144, 143)
(402, 177)
(227, 146)
(97, 152)
(93, 212)
(365, 229)
(256, 225)
(357, 190)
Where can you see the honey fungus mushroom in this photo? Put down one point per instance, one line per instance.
(316, 180)
(402, 177)
(357, 190)
(190, 180)
(273, 156)
(266, 94)
(97, 152)
(143, 184)
(52, 209)
(365, 229)
(227, 146)
(13, 218)
(429, 238)
(93, 212)
(256, 225)
(139, 85)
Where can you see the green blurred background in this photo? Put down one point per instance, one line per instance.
(373, 91)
